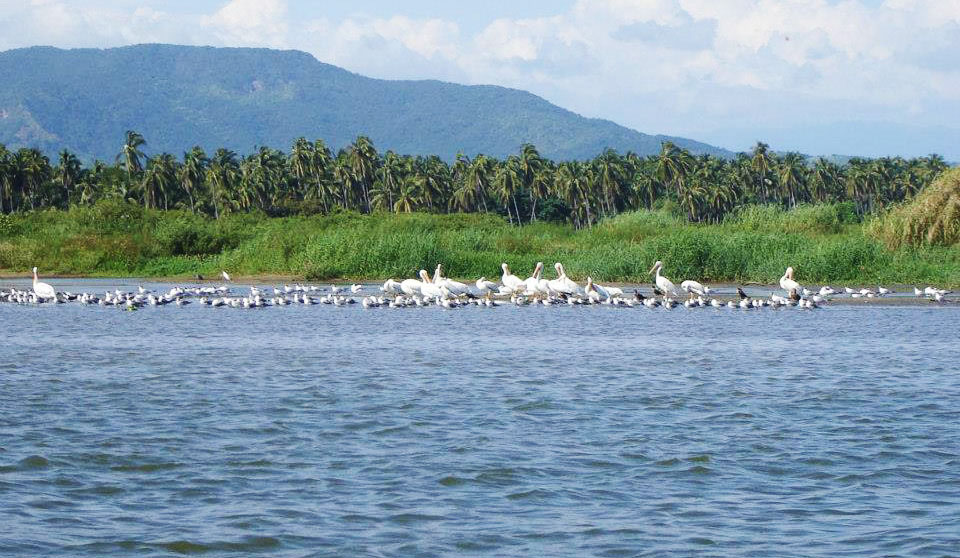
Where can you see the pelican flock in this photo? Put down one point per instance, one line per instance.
(439, 290)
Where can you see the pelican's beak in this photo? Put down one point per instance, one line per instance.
(652, 269)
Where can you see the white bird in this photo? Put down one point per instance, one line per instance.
(485, 287)
(592, 292)
(391, 286)
(455, 287)
(411, 287)
(225, 275)
(42, 290)
(509, 280)
(787, 283)
(562, 284)
(883, 290)
(662, 282)
(933, 291)
(826, 291)
(428, 287)
(917, 292)
(695, 288)
(532, 283)
(356, 288)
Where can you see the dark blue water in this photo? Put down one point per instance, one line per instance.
(562, 431)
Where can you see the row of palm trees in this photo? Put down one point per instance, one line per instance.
(524, 187)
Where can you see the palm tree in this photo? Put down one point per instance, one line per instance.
(464, 195)
(389, 176)
(221, 177)
(67, 173)
(506, 183)
(792, 176)
(130, 155)
(321, 167)
(674, 165)
(32, 169)
(193, 172)
(158, 179)
(7, 171)
(613, 183)
(761, 162)
(823, 180)
(363, 164)
(480, 173)
(407, 196)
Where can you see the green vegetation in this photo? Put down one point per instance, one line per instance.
(825, 243)
(524, 188)
(932, 218)
(360, 214)
(239, 98)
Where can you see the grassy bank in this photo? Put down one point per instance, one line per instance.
(826, 244)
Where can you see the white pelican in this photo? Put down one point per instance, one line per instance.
(826, 291)
(562, 284)
(428, 287)
(484, 287)
(390, 286)
(455, 287)
(787, 283)
(695, 288)
(225, 275)
(883, 291)
(42, 290)
(509, 280)
(411, 287)
(532, 283)
(592, 292)
(356, 288)
(662, 282)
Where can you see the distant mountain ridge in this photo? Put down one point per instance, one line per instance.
(179, 96)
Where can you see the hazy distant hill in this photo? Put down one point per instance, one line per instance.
(179, 96)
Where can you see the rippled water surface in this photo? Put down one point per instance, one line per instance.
(564, 431)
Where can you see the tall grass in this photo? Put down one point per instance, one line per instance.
(823, 243)
(930, 219)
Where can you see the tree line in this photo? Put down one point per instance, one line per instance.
(524, 187)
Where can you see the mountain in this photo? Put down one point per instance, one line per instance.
(179, 96)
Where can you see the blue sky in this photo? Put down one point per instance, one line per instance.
(861, 77)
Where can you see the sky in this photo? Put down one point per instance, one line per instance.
(850, 77)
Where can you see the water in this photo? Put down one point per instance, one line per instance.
(563, 431)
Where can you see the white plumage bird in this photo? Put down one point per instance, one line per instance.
(787, 283)
(511, 282)
(42, 290)
(662, 282)
(695, 288)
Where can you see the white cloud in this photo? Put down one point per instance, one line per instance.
(251, 22)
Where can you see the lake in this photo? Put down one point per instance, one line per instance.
(535, 431)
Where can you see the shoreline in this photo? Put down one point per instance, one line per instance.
(901, 295)
(270, 278)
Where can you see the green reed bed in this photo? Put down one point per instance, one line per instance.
(825, 243)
